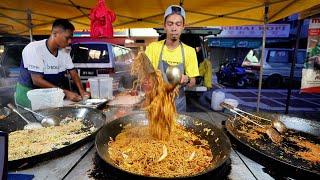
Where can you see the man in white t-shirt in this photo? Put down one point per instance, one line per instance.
(45, 63)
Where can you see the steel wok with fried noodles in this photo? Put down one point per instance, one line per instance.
(303, 128)
(91, 117)
(220, 147)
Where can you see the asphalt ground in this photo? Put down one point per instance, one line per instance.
(272, 100)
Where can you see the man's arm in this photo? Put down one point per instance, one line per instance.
(190, 81)
(76, 79)
(38, 80)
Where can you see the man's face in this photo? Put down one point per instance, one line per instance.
(174, 26)
(63, 37)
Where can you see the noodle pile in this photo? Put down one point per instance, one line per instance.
(27, 143)
(137, 151)
(159, 103)
(160, 108)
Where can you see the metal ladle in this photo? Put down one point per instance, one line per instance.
(275, 123)
(270, 131)
(174, 75)
(279, 125)
(47, 121)
(30, 125)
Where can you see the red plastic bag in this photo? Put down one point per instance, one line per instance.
(101, 20)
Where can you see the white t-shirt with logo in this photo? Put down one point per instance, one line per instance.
(37, 58)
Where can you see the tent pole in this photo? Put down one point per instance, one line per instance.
(293, 64)
(30, 24)
(266, 8)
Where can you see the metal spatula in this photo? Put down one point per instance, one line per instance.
(30, 125)
(47, 121)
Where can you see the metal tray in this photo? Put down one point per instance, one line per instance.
(92, 103)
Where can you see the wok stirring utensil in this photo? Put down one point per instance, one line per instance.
(272, 133)
(29, 125)
(173, 74)
(275, 123)
(46, 121)
(278, 125)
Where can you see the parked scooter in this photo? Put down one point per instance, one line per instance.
(233, 74)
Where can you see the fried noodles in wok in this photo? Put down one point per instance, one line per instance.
(137, 151)
(295, 144)
(27, 143)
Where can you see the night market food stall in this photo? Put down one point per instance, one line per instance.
(84, 162)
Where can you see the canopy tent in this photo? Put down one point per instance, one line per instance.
(310, 12)
(17, 17)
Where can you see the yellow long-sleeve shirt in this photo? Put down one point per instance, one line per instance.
(205, 70)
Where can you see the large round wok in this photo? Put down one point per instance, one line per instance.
(91, 117)
(220, 149)
(309, 130)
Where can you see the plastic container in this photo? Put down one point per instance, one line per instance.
(232, 102)
(94, 88)
(216, 99)
(45, 98)
(105, 88)
(101, 87)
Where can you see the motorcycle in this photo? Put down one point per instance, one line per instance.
(233, 74)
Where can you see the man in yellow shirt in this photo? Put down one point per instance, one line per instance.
(172, 51)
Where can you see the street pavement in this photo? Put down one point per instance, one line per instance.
(271, 100)
(274, 99)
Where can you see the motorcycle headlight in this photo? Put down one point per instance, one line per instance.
(222, 66)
